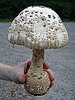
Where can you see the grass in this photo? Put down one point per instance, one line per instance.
(10, 20)
(6, 20)
(68, 20)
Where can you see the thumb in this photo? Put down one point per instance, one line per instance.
(22, 79)
(27, 65)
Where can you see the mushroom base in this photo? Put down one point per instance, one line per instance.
(38, 81)
(37, 84)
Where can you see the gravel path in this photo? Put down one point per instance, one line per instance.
(62, 62)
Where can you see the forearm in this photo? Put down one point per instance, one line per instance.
(7, 72)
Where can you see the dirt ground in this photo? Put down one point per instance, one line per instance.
(61, 61)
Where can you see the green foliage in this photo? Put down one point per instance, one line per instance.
(11, 8)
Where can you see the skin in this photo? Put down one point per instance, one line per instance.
(17, 73)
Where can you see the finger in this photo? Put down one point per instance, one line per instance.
(22, 79)
(45, 65)
(51, 84)
(27, 66)
(50, 73)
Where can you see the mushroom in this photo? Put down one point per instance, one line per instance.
(38, 28)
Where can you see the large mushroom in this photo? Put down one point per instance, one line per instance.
(38, 28)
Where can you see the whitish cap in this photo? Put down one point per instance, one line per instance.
(38, 27)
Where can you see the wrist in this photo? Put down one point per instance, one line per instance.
(13, 75)
(8, 73)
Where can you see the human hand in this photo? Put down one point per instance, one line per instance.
(22, 69)
(50, 73)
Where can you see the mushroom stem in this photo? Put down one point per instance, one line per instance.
(37, 79)
(37, 60)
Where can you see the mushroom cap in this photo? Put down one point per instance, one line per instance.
(38, 27)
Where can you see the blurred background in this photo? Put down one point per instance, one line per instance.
(61, 61)
(9, 9)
